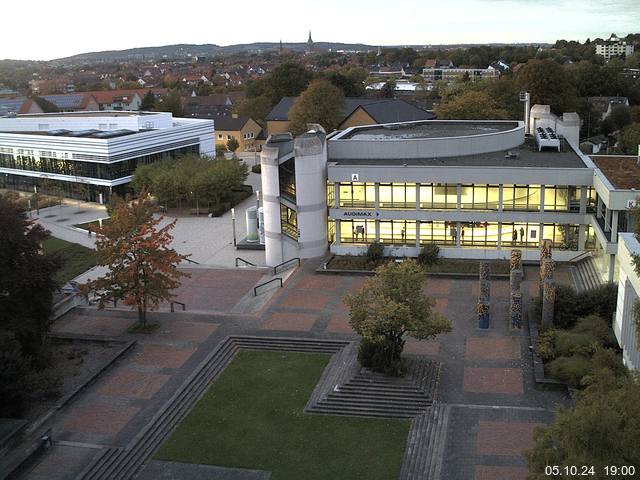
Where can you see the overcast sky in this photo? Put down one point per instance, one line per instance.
(44, 29)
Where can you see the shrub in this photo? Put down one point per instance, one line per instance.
(565, 305)
(429, 254)
(569, 343)
(375, 252)
(608, 358)
(570, 369)
(256, 168)
(14, 378)
(546, 348)
(382, 356)
(595, 326)
(570, 306)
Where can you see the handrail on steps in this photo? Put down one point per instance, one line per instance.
(255, 289)
(246, 262)
(296, 259)
(588, 253)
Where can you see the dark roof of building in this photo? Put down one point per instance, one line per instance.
(382, 110)
(622, 171)
(229, 122)
(8, 105)
(524, 156)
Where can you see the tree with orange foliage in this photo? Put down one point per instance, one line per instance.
(143, 270)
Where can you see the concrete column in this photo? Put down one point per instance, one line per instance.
(542, 198)
(607, 220)
(612, 267)
(583, 199)
(274, 250)
(500, 229)
(458, 229)
(582, 236)
(599, 207)
(377, 224)
(614, 226)
(337, 240)
(458, 195)
(417, 234)
(500, 198)
(377, 202)
(336, 194)
(417, 196)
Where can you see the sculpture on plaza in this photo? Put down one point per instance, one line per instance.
(484, 296)
(515, 295)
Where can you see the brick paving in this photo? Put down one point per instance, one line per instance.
(486, 376)
(492, 348)
(504, 438)
(103, 419)
(493, 380)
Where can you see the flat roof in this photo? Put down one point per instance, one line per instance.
(526, 155)
(621, 170)
(101, 113)
(427, 129)
(89, 133)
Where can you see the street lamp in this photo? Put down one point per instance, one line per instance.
(233, 225)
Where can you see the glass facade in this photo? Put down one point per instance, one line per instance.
(397, 195)
(357, 231)
(440, 233)
(438, 196)
(521, 197)
(287, 178)
(480, 197)
(520, 235)
(479, 234)
(77, 168)
(289, 221)
(398, 232)
(357, 195)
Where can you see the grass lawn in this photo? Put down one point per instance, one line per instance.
(75, 259)
(252, 417)
(444, 265)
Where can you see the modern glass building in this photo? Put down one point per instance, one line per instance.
(91, 155)
(475, 188)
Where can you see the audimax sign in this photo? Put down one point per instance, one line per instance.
(360, 214)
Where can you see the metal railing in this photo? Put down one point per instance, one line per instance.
(255, 289)
(184, 307)
(275, 269)
(246, 262)
(586, 254)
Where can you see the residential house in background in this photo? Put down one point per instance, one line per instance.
(606, 104)
(357, 111)
(244, 129)
(73, 102)
(614, 47)
(125, 99)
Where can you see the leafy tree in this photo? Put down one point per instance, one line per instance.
(603, 428)
(471, 105)
(220, 149)
(389, 306)
(142, 269)
(26, 279)
(321, 103)
(233, 144)
(388, 90)
(256, 108)
(171, 103)
(148, 101)
(549, 85)
(349, 80)
(631, 138)
(620, 116)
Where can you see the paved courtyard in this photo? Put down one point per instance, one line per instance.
(486, 376)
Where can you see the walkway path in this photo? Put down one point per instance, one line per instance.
(486, 380)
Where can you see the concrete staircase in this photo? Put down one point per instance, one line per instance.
(585, 274)
(425, 446)
(115, 463)
(371, 394)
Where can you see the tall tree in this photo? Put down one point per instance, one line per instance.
(389, 306)
(471, 105)
(603, 429)
(321, 103)
(233, 144)
(549, 84)
(171, 103)
(148, 101)
(142, 269)
(631, 138)
(26, 278)
(388, 90)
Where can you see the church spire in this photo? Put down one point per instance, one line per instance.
(310, 41)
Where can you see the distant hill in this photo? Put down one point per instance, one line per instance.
(211, 50)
